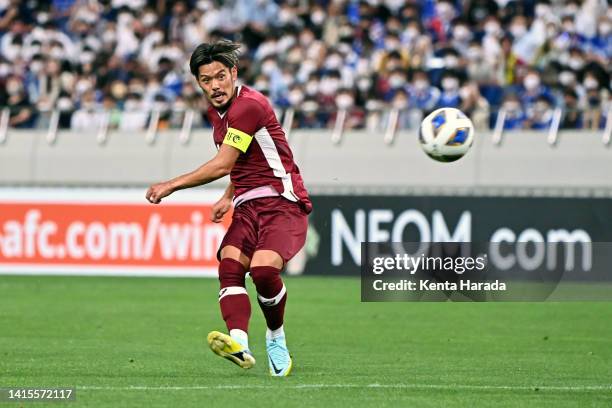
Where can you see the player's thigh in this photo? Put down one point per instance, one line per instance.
(282, 233)
(240, 239)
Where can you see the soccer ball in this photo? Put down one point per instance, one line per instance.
(446, 134)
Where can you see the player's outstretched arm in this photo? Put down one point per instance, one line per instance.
(223, 205)
(219, 166)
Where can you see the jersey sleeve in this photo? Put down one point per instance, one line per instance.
(242, 122)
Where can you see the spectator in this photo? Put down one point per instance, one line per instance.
(67, 48)
(540, 114)
(593, 115)
(532, 89)
(88, 116)
(572, 115)
(474, 105)
(422, 94)
(515, 114)
(450, 91)
(21, 110)
(134, 115)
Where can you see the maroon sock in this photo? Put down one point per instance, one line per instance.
(272, 294)
(233, 297)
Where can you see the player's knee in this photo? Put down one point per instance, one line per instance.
(231, 273)
(264, 273)
(267, 280)
(266, 257)
(230, 251)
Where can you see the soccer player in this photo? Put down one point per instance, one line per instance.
(271, 204)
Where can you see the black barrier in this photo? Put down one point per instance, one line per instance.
(339, 224)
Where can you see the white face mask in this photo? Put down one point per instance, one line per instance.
(5, 70)
(518, 30)
(531, 82)
(445, 11)
(333, 62)
(575, 63)
(149, 19)
(364, 84)
(450, 84)
(492, 28)
(462, 33)
(344, 101)
(312, 88)
(109, 37)
(160, 106)
(57, 53)
(317, 17)
(451, 61)
(268, 67)
(329, 86)
(86, 57)
(131, 105)
(566, 78)
(36, 66)
(64, 104)
(396, 81)
(605, 29)
(285, 15)
(411, 33)
(421, 85)
(82, 86)
(295, 97)
(310, 107)
(542, 10)
(590, 83)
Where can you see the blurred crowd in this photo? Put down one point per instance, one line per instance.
(115, 61)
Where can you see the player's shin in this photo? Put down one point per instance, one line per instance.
(234, 300)
(271, 295)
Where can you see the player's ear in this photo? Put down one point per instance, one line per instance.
(234, 72)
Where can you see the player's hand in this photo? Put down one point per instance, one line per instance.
(156, 192)
(220, 208)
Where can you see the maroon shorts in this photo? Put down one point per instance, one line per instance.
(272, 223)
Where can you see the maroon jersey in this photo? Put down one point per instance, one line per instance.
(250, 125)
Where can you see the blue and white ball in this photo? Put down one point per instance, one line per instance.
(446, 134)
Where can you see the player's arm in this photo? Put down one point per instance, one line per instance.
(219, 166)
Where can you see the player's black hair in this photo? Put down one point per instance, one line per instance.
(223, 51)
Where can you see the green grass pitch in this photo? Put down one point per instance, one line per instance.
(127, 342)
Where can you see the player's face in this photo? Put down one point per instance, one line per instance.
(218, 83)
